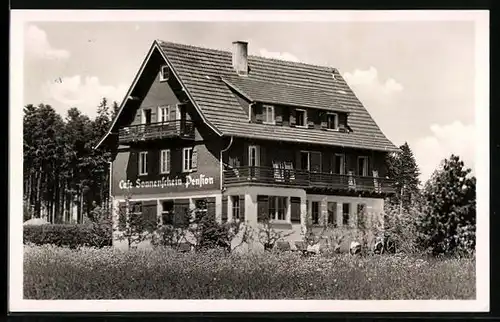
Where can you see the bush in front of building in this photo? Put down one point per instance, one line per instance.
(67, 235)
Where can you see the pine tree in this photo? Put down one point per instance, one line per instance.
(402, 167)
(448, 221)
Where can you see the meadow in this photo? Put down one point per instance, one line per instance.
(60, 273)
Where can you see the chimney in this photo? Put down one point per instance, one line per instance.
(240, 60)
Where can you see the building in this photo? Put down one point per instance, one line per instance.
(251, 136)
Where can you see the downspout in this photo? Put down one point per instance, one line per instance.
(221, 163)
(110, 183)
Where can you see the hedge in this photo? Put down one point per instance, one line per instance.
(69, 235)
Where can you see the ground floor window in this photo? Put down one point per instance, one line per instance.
(235, 201)
(332, 213)
(315, 212)
(277, 208)
(167, 212)
(346, 209)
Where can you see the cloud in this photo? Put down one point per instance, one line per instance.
(278, 55)
(454, 138)
(37, 45)
(84, 93)
(364, 80)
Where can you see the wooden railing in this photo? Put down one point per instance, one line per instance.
(306, 179)
(153, 131)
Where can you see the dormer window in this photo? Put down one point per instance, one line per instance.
(332, 120)
(164, 73)
(269, 114)
(301, 117)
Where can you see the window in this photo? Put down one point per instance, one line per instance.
(339, 164)
(361, 215)
(301, 117)
(235, 200)
(332, 121)
(167, 212)
(201, 205)
(165, 161)
(167, 113)
(253, 156)
(135, 212)
(143, 163)
(269, 114)
(146, 116)
(277, 208)
(187, 159)
(363, 166)
(345, 214)
(332, 213)
(315, 212)
(304, 160)
(164, 73)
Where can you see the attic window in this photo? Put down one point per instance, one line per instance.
(333, 121)
(164, 73)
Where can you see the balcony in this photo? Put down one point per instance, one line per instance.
(307, 180)
(155, 131)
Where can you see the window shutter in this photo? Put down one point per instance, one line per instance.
(295, 209)
(172, 113)
(324, 120)
(242, 207)
(259, 116)
(211, 207)
(149, 212)
(278, 115)
(262, 208)
(293, 118)
(122, 216)
(224, 209)
(167, 161)
(194, 160)
(159, 113)
(180, 208)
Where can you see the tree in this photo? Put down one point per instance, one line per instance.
(402, 167)
(448, 223)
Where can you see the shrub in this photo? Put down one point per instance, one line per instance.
(448, 222)
(73, 236)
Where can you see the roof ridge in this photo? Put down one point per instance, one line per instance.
(289, 62)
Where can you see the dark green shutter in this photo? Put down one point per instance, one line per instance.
(224, 209)
(259, 113)
(278, 115)
(293, 117)
(324, 120)
(150, 214)
(122, 216)
(295, 209)
(211, 207)
(181, 206)
(262, 208)
(242, 207)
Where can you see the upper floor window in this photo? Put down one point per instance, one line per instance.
(332, 121)
(301, 117)
(146, 116)
(165, 161)
(167, 113)
(253, 156)
(363, 166)
(269, 114)
(339, 164)
(143, 163)
(164, 73)
(187, 159)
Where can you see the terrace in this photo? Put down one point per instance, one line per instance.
(183, 129)
(307, 179)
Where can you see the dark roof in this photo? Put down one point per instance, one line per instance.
(284, 94)
(202, 71)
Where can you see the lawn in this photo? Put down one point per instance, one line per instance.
(59, 273)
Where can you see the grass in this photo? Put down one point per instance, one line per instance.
(58, 273)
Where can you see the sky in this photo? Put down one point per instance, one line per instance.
(415, 78)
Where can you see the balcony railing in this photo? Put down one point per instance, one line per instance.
(154, 131)
(306, 179)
